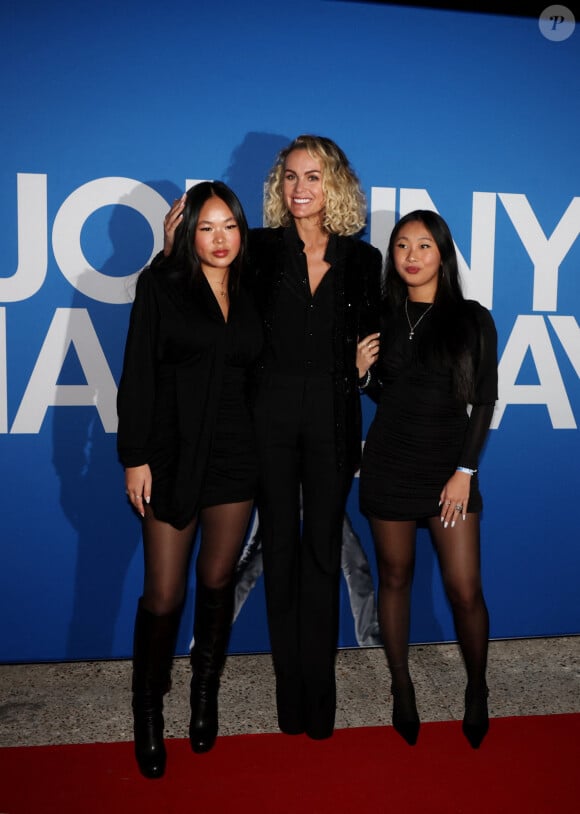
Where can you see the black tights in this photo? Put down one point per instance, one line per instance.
(168, 550)
(459, 559)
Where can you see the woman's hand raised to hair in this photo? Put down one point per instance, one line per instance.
(171, 222)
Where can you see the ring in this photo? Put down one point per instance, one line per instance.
(138, 497)
(448, 503)
(459, 507)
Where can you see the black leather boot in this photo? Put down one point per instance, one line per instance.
(154, 646)
(211, 632)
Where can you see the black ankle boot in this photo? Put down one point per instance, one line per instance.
(154, 645)
(213, 621)
(405, 716)
(476, 719)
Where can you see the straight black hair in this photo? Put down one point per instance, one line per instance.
(183, 254)
(451, 333)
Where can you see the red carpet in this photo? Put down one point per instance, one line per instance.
(529, 765)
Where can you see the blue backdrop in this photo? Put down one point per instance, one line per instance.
(110, 110)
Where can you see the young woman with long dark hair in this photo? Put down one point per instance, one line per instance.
(436, 385)
(186, 441)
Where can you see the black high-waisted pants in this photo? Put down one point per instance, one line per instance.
(301, 504)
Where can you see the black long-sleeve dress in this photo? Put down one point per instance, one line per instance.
(421, 431)
(182, 401)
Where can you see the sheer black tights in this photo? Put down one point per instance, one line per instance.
(168, 550)
(459, 559)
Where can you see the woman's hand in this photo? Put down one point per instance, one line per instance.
(171, 222)
(454, 498)
(367, 352)
(138, 486)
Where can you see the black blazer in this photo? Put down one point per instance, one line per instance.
(357, 294)
(168, 395)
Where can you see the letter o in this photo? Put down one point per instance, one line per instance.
(69, 221)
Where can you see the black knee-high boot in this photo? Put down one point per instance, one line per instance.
(211, 632)
(154, 646)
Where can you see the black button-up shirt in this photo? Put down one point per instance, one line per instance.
(302, 327)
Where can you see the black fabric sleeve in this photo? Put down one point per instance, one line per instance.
(477, 429)
(485, 388)
(136, 394)
(369, 321)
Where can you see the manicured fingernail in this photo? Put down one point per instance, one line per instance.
(464, 516)
(452, 523)
(147, 499)
(445, 525)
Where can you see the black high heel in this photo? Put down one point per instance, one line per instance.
(476, 719)
(405, 716)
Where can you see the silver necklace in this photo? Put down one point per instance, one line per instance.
(411, 325)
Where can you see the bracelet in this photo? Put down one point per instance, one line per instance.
(364, 380)
(467, 470)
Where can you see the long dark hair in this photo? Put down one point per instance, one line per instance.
(183, 257)
(450, 338)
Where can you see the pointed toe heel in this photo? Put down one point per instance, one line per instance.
(406, 721)
(475, 724)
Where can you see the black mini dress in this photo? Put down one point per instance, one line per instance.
(421, 431)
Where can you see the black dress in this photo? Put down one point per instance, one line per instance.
(421, 431)
(182, 400)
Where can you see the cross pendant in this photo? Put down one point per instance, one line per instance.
(411, 334)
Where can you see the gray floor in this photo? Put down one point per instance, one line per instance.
(89, 702)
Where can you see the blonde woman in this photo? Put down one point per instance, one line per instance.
(317, 287)
(318, 290)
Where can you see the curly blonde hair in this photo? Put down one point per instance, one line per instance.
(345, 202)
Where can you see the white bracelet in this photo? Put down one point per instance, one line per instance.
(467, 470)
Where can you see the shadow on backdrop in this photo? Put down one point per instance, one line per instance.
(92, 492)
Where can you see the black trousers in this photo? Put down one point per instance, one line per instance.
(301, 506)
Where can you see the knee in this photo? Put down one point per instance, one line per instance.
(394, 578)
(215, 578)
(465, 598)
(161, 602)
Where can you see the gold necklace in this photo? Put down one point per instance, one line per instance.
(223, 287)
(412, 326)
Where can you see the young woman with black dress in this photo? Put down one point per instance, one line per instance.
(436, 385)
(186, 441)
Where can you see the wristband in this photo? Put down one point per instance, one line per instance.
(467, 470)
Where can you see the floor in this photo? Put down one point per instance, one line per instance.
(90, 701)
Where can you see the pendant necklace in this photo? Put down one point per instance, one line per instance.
(412, 326)
(223, 287)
